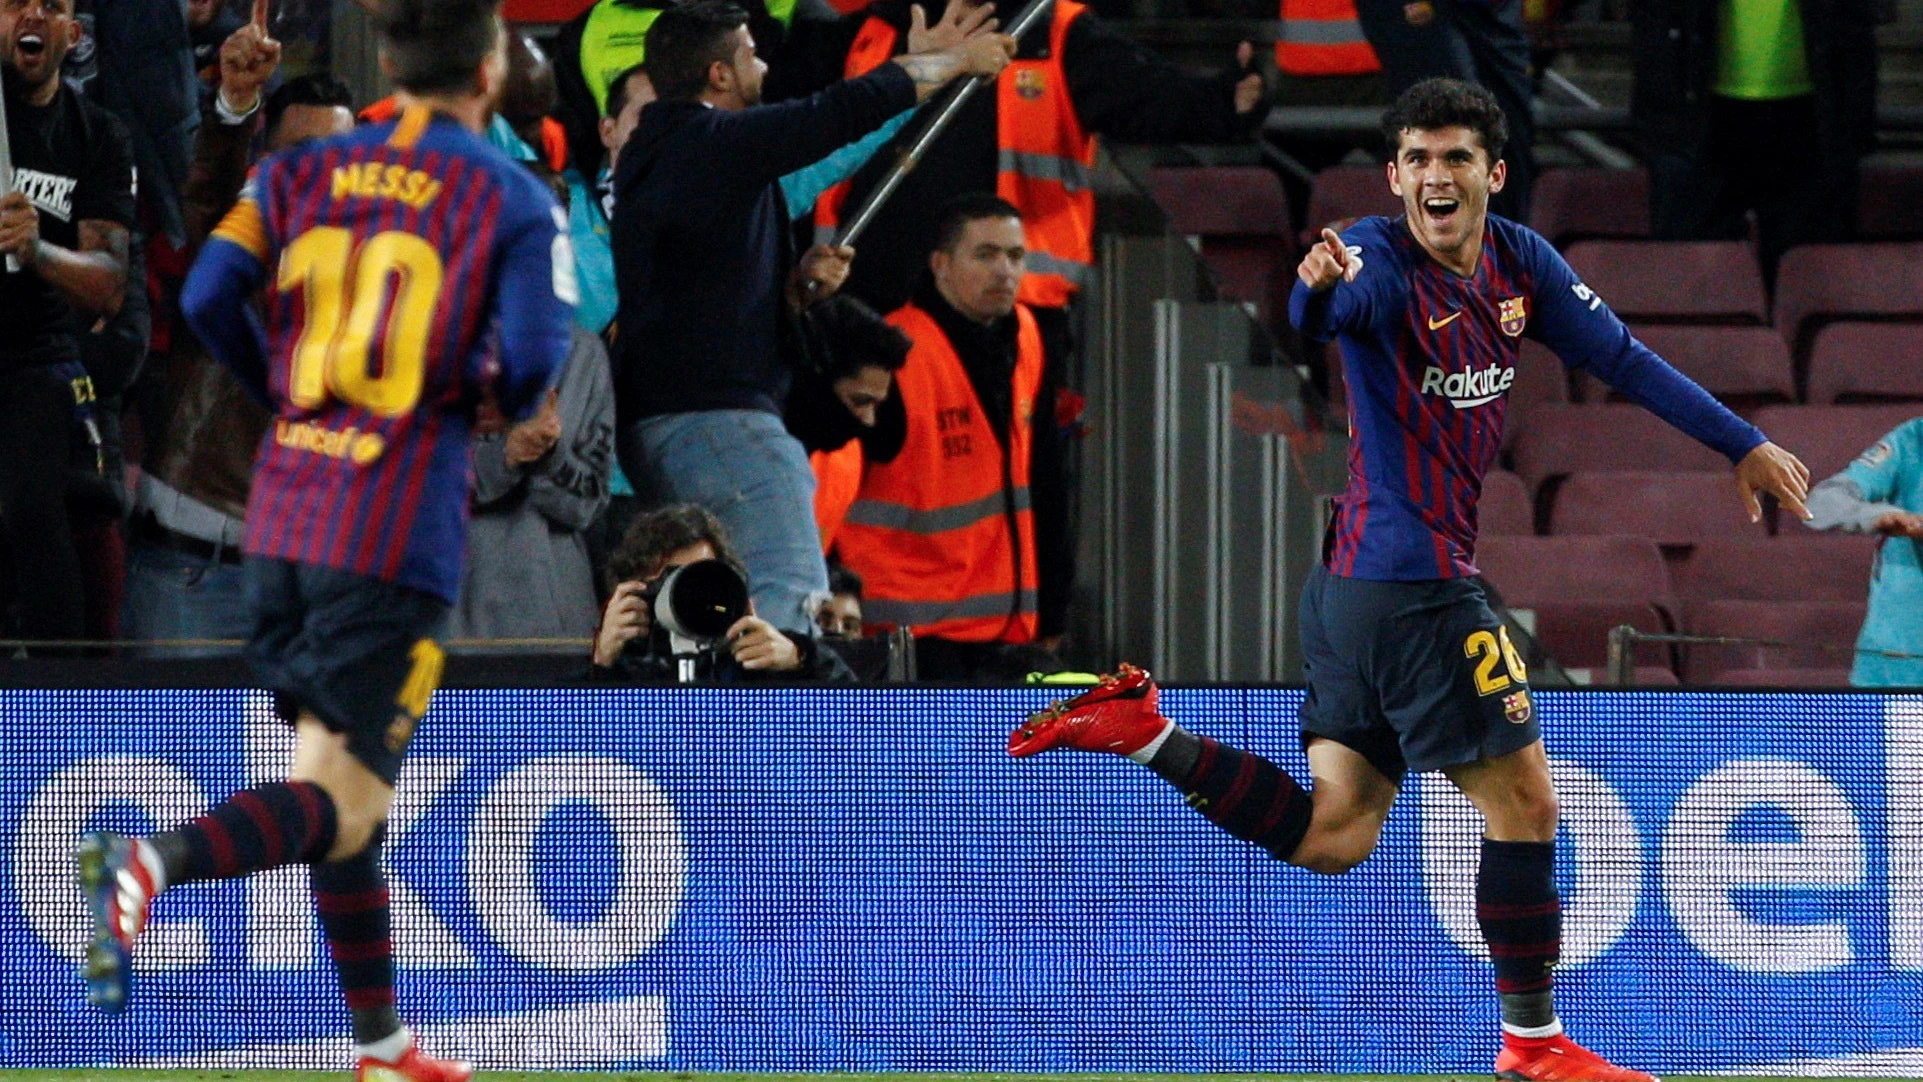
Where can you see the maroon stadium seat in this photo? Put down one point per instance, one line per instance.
(1505, 509)
(1798, 566)
(1530, 571)
(1854, 363)
(1828, 438)
(1746, 367)
(1674, 281)
(1815, 679)
(1667, 508)
(1577, 204)
(1344, 192)
(1820, 634)
(1241, 215)
(1576, 633)
(1890, 204)
(1822, 283)
(1559, 440)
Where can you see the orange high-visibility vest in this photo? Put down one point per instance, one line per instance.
(1045, 167)
(837, 480)
(1323, 37)
(943, 537)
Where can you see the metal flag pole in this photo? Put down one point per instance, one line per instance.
(912, 156)
(6, 169)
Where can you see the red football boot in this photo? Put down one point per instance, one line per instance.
(1117, 715)
(1558, 1059)
(413, 1066)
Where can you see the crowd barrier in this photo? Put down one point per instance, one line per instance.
(862, 880)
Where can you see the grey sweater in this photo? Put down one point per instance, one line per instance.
(527, 573)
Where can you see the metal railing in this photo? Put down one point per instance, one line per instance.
(1620, 663)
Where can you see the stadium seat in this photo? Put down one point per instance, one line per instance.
(1667, 508)
(1674, 281)
(1800, 566)
(1827, 438)
(1820, 635)
(1533, 571)
(1580, 204)
(1812, 679)
(1823, 283)
(1890, 203)
(1745, 367)
(1560, 440)
(1576, 633)
(1854, 363)
(1343, 192)
(1241, 217)
(1505, 509)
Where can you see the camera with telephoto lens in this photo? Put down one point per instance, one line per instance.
(693, 606)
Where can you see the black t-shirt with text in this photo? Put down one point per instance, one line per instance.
(73, 161)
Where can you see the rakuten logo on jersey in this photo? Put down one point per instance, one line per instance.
(1474, 387)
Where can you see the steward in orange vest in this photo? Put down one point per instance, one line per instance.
(1032, 142)
(944, 537)
(1323, 37)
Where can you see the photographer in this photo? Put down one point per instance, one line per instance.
(630, 647)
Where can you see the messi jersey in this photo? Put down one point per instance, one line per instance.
(1429, 357)
(407, 267)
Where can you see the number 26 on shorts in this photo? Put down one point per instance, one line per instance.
(1498, 665)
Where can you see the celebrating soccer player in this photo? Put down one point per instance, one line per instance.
(409, 269)
(1407, 666)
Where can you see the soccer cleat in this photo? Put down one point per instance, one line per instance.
(119, 890)
(1558, 1059)
(413, 1066)
(1116, 715)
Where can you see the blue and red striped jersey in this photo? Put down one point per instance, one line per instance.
(1428, 357)
(413, 269)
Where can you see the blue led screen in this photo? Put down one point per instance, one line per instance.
(863, 880)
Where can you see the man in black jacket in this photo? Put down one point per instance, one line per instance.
(1717, 102)
(706, 343)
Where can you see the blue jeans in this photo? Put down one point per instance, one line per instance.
(743, 466)
(171, 595)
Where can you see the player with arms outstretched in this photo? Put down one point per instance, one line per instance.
(409, 270)
(1407, 666)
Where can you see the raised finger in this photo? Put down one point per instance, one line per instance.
(917, 20)
(1333, 241)
(970, 20)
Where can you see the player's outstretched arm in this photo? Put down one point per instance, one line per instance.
(1330, 262)
(1769, 468)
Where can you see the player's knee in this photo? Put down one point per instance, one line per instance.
(1529, 813)
(1332, 856)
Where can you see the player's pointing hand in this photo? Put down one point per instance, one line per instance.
(1330, 262)
(1769, 468)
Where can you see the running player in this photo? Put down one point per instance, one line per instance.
(1407, 667)
(409, 269)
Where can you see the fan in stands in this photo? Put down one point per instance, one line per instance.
(1407, 666)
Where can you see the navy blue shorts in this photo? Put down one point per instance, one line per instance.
(360, 654)
(1412, 675)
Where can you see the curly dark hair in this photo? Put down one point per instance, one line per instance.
(851, 336)
(655, 535)
(1447, 103)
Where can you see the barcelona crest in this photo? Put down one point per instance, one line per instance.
(1517, 708)
(1030, 83)
(1512, 315)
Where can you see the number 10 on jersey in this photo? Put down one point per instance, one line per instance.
(345, 289)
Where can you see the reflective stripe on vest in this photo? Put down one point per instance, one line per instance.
(931, 533)
(1045, 162)
(896, 516)
(931, 613)
(1323, 37)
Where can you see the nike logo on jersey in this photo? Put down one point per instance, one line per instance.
(1437, 324)
(1474, 387)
